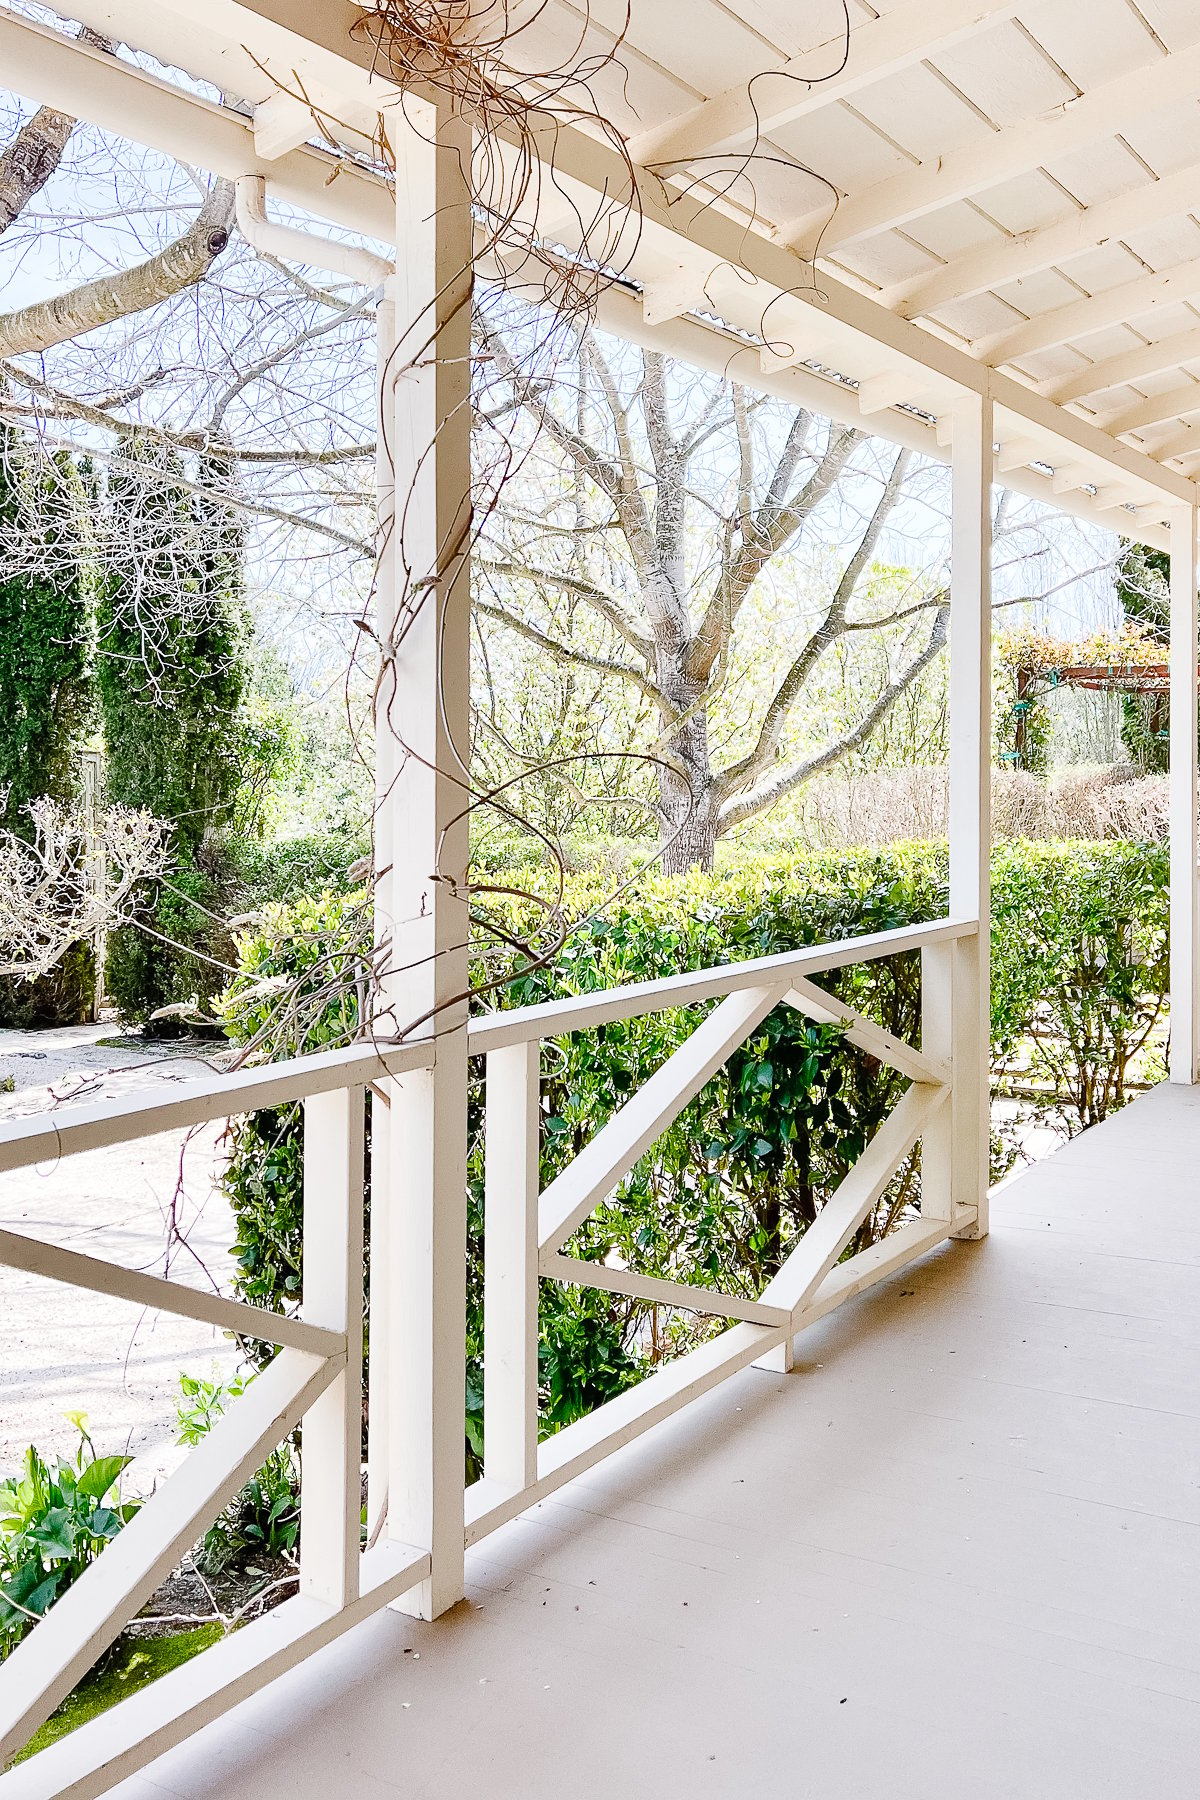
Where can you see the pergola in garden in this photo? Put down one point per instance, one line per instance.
(966, 227)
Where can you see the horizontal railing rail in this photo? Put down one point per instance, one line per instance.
(316, 1377)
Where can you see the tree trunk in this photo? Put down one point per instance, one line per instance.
(688, 800)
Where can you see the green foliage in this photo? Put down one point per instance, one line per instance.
(54, 1522)
(1080, 965)
(172, 672)
(1079, 955)
(171, 642)
(131, 1664)
(46, 677)
(63, 996)
(262, 1522)
(1142, 578)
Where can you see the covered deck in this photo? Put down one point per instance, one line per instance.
(956, 1552)
(950, 1554)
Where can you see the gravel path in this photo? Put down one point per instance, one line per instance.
(60, 1349)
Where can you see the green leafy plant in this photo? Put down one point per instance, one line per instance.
(54, 1522)
(262, 1522)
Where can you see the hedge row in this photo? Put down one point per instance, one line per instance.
(1079, 955)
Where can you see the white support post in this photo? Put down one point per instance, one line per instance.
(1185, 909)
(427, 802)
(378, 1406)
(331, 1492)
(971, 805)
(510, 1266)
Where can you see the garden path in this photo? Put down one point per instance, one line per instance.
(60, 1350)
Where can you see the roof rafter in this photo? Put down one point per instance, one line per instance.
(1029, 252)
(777, 97)
(1012, 150)
(1094, 312)
(1128, 366)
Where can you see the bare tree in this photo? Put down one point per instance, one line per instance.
(685, 499)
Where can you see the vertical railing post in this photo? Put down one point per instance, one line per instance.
(331, 1441)
(428, 801)
(510, 1266)
(1185, 912)
(971, 805)
(937, 1040)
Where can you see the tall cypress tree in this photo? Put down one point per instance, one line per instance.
(47, 694)
(172, 670)
(171, 642)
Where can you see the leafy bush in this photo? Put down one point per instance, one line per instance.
(54, 1522)
(1079, 957)
(63, 996)
(263, 1520)
(728, 1187)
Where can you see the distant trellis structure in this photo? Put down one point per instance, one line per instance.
(1129, 662)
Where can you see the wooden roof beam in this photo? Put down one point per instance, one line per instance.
(777, 97)
(1029, 144)
(1029, 252)
(1129, 366)
(1129, 300)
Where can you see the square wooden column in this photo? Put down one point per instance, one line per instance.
(1185, 912)
(423, 809)
(971, 807)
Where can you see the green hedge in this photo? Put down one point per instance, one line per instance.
(1079, 944)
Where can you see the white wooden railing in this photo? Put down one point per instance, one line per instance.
(316, 1379)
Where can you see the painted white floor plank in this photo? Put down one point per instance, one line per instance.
(956, 1552)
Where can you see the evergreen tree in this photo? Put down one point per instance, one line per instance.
(172, 631)
(46, 674)
(173, 668)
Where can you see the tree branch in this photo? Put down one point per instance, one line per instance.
(747, 806)
(570, 654)
(94, 303)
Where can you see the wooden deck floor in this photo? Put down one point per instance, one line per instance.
(956, 1554)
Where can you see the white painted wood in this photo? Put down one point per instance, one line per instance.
(574, 1270)
(616, 1147)
(96, 1755)
(971, 798)
(1113, 306)
(918, 1065)
(510, 1265)
(908, 34)
(1156, 409)
(583, 1012)
(46, 1137)
(96, 1276)
(589, 1440)
(1014, 455)
(428, 980)
(120, 97)
(1185, 904)
(331, 1442)
(46, 1665)
(846, 1280)
(876, 393)
(1129, 366)
(1028, 144)
(678, 291)
(383, 917)
(281, 123)
(937, 1042)
(1029, 252)
(809, 1263)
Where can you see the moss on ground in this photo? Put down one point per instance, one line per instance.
(131, 1664)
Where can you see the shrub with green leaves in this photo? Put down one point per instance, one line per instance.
(262, 1521)
(54, 1522)
(1079, 952)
